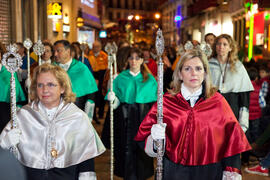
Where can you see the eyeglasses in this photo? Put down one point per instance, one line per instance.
(136, 58)
(49, 85)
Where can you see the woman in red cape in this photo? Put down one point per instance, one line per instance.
(203, 140)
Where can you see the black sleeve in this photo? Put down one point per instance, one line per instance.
(86, 166)
(244, 99)
(232, 161)
(80, 101)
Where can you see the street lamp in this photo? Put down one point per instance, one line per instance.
(157, 15)
(137, 17)
(130, 17)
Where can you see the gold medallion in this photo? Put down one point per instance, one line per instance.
(54, 153)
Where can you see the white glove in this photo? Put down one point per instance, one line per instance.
(27, 83)
(111, 96)
(87, 176)
(158, 131)
(12, 138)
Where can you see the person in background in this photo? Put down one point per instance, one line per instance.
(54, 138)
(209, 38)
(78, 51)
(151, 64)
(47, 57)
(5, 91)
(265, 97)
(230, 77)
(134, 92)
(99, 63)
(199, 129)
(255, 112)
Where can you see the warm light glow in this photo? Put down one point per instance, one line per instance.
(130, 17)
(137, 17)
(80, 22)
(157, 15)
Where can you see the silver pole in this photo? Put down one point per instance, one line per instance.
(160, 143)
(12, 61)
(39, 49)
(28, 44)
(109, 50)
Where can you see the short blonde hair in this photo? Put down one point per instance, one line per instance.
(61, 76)
(207, 83)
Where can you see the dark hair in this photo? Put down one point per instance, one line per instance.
(264, 68)
(209, 34)
(253, 73)
(140, 54)
(122, 57)
(78, 45)
(73, 49)
(64, 42)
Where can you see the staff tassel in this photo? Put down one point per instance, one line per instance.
(111, 49)
(159, 143)
(39, 49)
(28, 44)
(12, 61)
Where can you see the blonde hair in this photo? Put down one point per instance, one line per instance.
(61, 76)
(207, 83)
(232, 56)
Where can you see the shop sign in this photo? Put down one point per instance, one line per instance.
(54, 10)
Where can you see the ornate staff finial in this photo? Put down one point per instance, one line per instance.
(27, 43)
(159, 43)
(109, 48)
(11, 59)
(39, 49)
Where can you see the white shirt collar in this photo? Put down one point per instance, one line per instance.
(66, 65)
(50, 112)
(193, 97)
(0, 67)
(134, 74)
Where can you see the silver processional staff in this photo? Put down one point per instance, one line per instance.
(12, 61)
(160, 143)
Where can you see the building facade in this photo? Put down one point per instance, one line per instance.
(50, 19)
